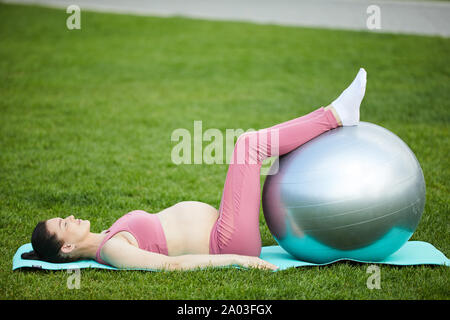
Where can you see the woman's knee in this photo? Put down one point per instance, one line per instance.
(246, 149)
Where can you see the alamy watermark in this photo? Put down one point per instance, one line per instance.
(259, 145)
(373, 21)
(74, 20)
(374, 280)
(73, 281)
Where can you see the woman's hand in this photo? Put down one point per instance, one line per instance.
(254, 262)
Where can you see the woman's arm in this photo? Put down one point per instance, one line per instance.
(192, 261)
(122, 255)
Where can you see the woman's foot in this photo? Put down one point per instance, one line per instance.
(348, 103)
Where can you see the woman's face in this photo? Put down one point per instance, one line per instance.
(69, 230)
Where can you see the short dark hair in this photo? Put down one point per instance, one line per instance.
(46, 246)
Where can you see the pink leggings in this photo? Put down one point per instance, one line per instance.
(237, 228)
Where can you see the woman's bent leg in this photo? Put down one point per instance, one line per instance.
(237, 228)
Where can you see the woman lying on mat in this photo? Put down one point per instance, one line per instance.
(193, 234)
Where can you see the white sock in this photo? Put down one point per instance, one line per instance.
(348, 103)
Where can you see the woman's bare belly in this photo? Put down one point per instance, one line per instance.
(187, 226)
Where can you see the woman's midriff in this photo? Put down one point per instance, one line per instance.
(187, 226)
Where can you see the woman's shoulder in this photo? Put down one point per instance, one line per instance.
(109, 249)
(112, 244)
(109, 240)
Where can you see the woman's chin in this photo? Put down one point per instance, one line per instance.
(85, 223)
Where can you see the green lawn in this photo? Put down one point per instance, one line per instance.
(86, 118)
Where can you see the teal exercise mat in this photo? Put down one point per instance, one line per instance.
(412, 253)
(18, 262)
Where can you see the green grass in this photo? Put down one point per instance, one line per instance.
(87, 115)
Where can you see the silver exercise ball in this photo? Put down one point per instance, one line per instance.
(353, 192)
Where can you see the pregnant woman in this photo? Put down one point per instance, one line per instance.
(192, 234)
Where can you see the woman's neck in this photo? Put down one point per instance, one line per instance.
(88, 248)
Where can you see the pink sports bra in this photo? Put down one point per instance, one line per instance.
(145, 227)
